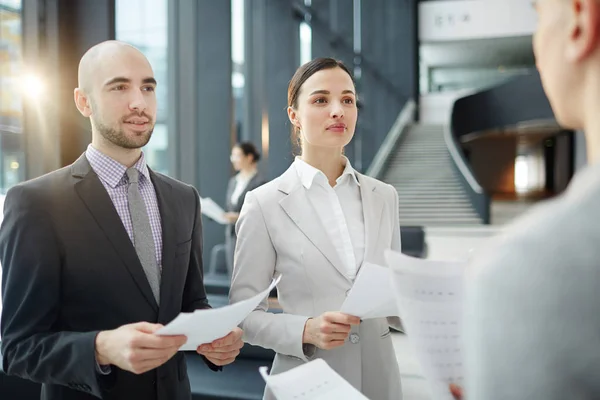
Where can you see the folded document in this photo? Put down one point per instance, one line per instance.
(314, 380)
(372, 294)
(430, 299)
(212, 210)
(205, 326)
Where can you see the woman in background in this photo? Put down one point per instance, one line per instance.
(316, 225)
(244, 158)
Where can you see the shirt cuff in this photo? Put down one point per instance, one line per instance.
(103, 369)
(309, 351)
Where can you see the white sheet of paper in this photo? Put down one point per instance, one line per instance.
(372, 294)
(212, 210)
(204, 326)
(430, 299)
(314, 380)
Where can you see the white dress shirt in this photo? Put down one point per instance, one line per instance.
(240, 185)
(340, 209)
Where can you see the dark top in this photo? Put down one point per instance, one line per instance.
(255, 182)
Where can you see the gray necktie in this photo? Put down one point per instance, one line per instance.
(142, 233)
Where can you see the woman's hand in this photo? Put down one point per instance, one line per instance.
(232, 217)
(329, 330)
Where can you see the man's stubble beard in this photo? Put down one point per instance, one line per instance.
(119, 138)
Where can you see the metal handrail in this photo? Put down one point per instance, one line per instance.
(405, 118)
(460, 162)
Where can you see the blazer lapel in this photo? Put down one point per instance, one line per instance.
(94, 195)
(168, 220)
(298, 207)
(372, 210)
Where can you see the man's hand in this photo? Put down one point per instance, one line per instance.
(135, 348)
(329, 330)
(223, 351)
(456, 391)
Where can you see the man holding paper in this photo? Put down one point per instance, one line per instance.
(98, 255)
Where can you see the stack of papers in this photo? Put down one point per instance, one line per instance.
(430, 296)
(205, 326)
(314, 380)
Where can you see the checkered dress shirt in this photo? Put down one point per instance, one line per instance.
(113, 177)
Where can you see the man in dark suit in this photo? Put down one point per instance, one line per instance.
(100, 254)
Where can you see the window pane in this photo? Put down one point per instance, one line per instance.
(143, 24)
(12, 156)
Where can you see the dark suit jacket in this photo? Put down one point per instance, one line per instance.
(70, 270)
(255, 182)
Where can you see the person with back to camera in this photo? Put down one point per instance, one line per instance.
(316, 225)
(532, 321)
(244, 158)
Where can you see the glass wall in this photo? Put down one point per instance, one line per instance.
(12, 155)
(143, 24)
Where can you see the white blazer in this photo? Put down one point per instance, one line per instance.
(279, 233)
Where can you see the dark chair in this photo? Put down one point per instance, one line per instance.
(413, 241)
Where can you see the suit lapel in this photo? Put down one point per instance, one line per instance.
(94, 195)
(298, 207)
(372, 203)
(168, 220)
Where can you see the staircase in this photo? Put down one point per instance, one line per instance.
(428, 186)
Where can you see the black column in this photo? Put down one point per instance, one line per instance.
(200, 101)
(272, 56)
(390, 73)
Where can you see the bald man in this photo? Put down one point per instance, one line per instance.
(100, 254)
(533, 310)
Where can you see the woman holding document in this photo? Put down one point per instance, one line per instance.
(244, 158)
(316, 225)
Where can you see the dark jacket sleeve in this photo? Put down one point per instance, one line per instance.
(33, 345)
(194, 294)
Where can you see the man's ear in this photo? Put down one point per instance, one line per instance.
(584, 29)
(82, 102)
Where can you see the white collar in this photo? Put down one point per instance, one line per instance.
(307, 173)
(240, 178)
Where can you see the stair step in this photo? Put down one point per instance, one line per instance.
(429, 189)
(440, 206)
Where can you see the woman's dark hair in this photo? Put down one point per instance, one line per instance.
(302, 74)
(249, 149)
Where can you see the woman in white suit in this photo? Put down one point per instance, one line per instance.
(316, 225)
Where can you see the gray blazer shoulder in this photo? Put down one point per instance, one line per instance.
(533, 300)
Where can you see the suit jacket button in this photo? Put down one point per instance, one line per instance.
(354, 338)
